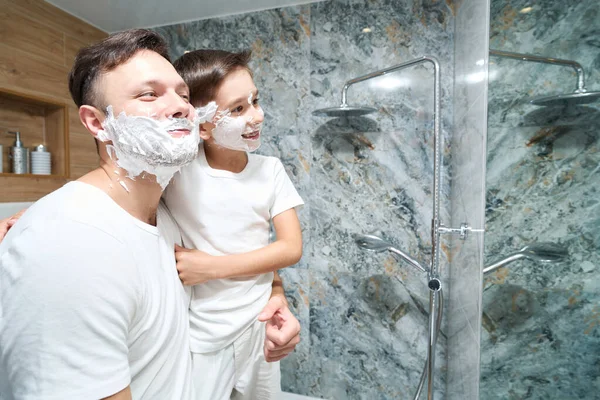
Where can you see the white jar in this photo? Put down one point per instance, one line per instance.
(40, 161)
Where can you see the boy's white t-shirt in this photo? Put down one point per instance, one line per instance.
(90, 302)
(222, 213)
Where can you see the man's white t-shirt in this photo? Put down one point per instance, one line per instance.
(222, 213)
(90, 302)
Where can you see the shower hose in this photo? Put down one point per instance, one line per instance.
(438, 323)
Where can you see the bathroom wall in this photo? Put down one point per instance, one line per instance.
(363, 315)
(541, 322)
(38, 46)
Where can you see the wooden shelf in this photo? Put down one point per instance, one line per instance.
(26, 176)
(40, 121)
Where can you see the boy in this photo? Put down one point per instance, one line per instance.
(224, 203)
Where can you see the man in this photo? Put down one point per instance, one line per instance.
(90, 302)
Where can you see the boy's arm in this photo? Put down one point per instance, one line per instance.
(7, 223)
(196, 267)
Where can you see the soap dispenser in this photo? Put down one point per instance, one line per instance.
(19, 155)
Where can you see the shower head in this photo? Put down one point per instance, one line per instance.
(541, 252)
(545, 252)
(571, 99)
(344, 110)
(579, 96)
(371, 243)
(377, 244)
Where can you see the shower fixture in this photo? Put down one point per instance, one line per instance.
(541, 252)
(376, 244)
(344, 110)
(579, 96)
(437, 228)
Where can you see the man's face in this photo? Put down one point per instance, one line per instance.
(148, 125)
(147, 85)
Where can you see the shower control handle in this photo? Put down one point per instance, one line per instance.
(463, 231)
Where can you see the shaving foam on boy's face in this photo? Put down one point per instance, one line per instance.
(237, 133)
(145, 144)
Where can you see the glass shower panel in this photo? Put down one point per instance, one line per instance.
(541, 304)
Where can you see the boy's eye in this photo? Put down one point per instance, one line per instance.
(238, 109)
(255, 101)
(186, 97)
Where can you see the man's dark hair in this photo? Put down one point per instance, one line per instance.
(205, 70)
(104, 56)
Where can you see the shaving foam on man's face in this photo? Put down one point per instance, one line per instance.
(149, 127)
(144, 144)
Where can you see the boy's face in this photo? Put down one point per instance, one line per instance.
(239, 116)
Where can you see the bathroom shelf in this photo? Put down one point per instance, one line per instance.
(23, 176)
(40, 120)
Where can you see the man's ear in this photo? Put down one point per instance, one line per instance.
(92, 119)
(206, 130)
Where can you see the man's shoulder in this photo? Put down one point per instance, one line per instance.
(82, 209)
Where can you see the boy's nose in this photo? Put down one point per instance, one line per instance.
(257, 115)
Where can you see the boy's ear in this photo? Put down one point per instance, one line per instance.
(206, 130)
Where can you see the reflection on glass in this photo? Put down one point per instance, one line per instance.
(541, 320)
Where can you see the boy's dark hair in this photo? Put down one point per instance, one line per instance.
(105, 56)
(204, 71)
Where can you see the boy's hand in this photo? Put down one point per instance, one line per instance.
(7, 223)
(283, 329)
(194, 266)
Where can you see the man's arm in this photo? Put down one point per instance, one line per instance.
(196, 267)
(282, 328)
(69, 294)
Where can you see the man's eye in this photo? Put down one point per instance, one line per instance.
(148, 94)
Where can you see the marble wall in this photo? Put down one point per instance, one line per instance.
(363, 315)
(541, 322)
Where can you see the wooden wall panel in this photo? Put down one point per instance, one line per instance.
(38, 43)
(32, 37)
(83, 146)
(55, 18)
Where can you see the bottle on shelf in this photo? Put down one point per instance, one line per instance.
(19, 155)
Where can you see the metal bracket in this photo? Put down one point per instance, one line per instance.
(463, 231)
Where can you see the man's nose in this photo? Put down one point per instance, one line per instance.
(179, 108)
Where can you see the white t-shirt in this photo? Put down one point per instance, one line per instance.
(222, 213)
(90, 302)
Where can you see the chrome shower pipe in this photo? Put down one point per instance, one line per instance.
(434, 282)
(435, 224)
(547, 60)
